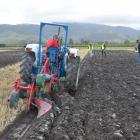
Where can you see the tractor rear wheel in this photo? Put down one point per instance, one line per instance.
(26, 67)
(72, 75)
(25, 72)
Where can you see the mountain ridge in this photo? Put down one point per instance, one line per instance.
(26, 33)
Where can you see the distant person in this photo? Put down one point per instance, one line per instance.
(103, 49)
(89, 46)
(138, 49)
(93, 50)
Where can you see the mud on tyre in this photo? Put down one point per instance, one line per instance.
(72, 75)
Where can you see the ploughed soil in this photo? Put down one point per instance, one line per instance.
(106, 105)
(8, 57)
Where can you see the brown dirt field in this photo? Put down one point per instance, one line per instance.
(10, 57)
(106, 105)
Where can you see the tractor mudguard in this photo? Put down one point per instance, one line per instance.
(35, 49)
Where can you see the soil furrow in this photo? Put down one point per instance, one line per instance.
(106, 105)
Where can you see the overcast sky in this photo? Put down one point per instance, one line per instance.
(111, 12)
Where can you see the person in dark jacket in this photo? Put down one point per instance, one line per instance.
(138, 48)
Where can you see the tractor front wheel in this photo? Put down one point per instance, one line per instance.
(14, 98)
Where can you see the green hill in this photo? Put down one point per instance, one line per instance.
(26, 33)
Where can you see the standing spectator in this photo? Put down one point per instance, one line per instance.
(138, 48)
(103, 49)
(89, 46)
(93, 50)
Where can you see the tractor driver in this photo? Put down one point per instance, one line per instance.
(52, 51)
(53, 42)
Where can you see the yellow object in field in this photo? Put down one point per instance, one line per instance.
(89, 46)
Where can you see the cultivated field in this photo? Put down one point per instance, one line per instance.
(8, 75)
(10, 57)
(106, 105)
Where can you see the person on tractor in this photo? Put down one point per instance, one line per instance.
(53, 52)
(53, 42)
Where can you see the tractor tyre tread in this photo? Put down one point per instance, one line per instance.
(71, 75)
(26, 67)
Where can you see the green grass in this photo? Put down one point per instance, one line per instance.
(112, 46)
(121, 48)
(10, 48)
(127, 47)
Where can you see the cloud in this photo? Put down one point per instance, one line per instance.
(124, 20)
(113, 19)
(112, 12)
